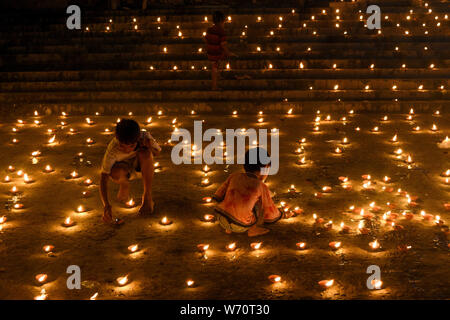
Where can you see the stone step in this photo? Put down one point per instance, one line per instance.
(173, 108)
(265, 65)
(305, 74)
(180, 50)
(376, 86)
(200, 96)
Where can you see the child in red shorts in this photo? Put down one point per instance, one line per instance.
(216, 45)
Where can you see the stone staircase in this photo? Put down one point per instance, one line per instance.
(320, 56)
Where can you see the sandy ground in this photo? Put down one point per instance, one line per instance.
(168, 255)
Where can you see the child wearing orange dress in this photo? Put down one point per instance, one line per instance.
(245, 201)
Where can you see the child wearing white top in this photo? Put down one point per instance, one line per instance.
(129, 153)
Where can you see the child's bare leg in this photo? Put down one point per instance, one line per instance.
(147, 168)
(257, 230)
(119, 174)
(214, 72)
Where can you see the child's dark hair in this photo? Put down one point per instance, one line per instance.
(218, 17)
(254, 159)
(127, 131)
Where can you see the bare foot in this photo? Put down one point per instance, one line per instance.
(257, 231)
(146, 208)
(124, 192)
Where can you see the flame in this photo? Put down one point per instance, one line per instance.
(256, 245)
(133, 248)
(2, 219)
(68, 221)
(41, 277)
(122, 280)
(42, 296)
(231, 246)
(94, 296)
(190, 283)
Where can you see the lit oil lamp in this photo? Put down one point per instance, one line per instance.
(18, 206)
(68, 222)
(274, 278)
(15, 141)
(87, 182)
(256, 245)
(292, 189)
(48, 169)
(301, 161)
(3, 219)
(362, 229)
(90, 141)
(345, 141)
(374, 207)
(438, 221)
(301, 245)
(434, 128)
(165, 221)
(207, 199)
(328, 225)
(42, 296)
(14, 190)
(326, 283)
(326, 189)
(386, 179)
(338, 150)
(205, 182)
(344, 228)
(231, 246)
(41, 277)
(335, 245)
(190, 283)
(394, 139)
(377, 284)
(202, 247)
(7, 179)
(446, 173)
(122, 280)
(48, 248)
(80, 209)
(52, 140)
(374, 245)
(206, 169)
(375, 129)
(133, 248)
(130, 203)
(74, 175)
(299, 150)
(11, 169)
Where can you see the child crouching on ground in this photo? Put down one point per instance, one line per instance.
(131, 151)
(245, 203)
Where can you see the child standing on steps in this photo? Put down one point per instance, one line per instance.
(131, 151)
(216, 46)
(245, 202)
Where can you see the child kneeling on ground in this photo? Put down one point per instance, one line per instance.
(245, 202)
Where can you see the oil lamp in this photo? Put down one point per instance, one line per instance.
(190, 283)
(202, 247)
(231, 246)
(130, 203)
(48, 169)
(122, 280)
(90, 141)
(301, 245)
(207, 199)
(2, 219)
(42, 296)
(48, 248)
(68, 222)
(7, 179)
(335, 245)
(374, 245)
(326, 283)
(87, 182)
(133, 248)
(377, 283)
(165, 221)
(274, 278)
(41, 277)
(256, 245)
(344, 228)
